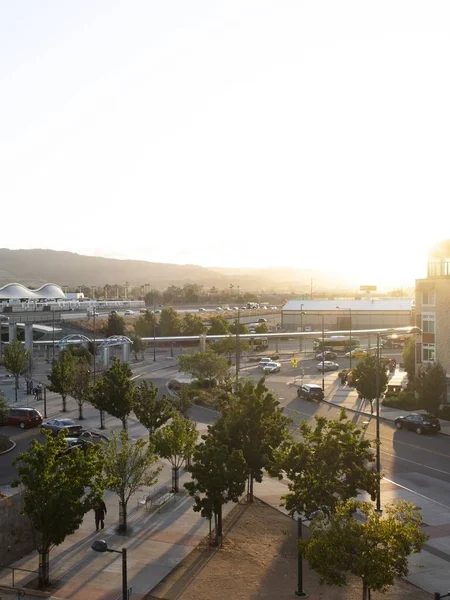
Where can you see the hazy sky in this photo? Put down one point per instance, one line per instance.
(233, 133)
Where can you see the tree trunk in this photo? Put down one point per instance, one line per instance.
(80, 411)
(176, 479)
(365, 590)
(44, 569)
(210, 531)
(122, 516)
(250, 495)
(16, 386)
(216, 534)
(219, 524)
(64, 397)
(124, 424)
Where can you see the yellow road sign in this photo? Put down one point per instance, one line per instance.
(294, 363)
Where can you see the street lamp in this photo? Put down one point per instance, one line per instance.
(102, 546)
(299, 591)
(412, 331)
(300, 341)
(154, 327)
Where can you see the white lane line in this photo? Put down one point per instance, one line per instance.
(414, 462)
(416, 493)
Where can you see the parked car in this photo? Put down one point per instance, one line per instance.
(69, 427)
(272, 367)
(326, 355)
(420, 423)
(23, 417)
(310, 391)
(262, 320)
(73, 443)
(327, 365)
(92, 436)
(128, 313)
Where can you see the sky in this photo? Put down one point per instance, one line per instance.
(311, 134)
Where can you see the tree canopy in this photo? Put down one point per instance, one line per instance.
(364, 378)
(115, 325)
(331, 464)
(80, 383)
(219, 326)
(431, 385)
(409, 360)
(192, 325)
(61, 376)
(375, 547)
(252, 420)
(114, 391)
(169, 322)
(228, 345)
(128, 467)
(55, 497)
(4, 408)
(15, 360)
(146, 325)
(204, 366)
(175, 442)
(151, 412)
(218, 476)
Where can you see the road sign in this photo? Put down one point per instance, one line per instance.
(368, 288)
(294, 363)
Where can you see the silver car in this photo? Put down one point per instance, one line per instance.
(272, 367)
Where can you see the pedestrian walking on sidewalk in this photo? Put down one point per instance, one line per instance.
(100, 512)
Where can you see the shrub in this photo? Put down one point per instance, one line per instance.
(403, 401)
(174, 385)
(274, 357)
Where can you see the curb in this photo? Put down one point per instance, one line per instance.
(9, 449)
(366, 414)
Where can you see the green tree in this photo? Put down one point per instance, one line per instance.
(409, 360)
(61, 376)
(364, 379)
(114, 392)
(331, 464)
(234, 327)
(252, 420)
(182, 402)
(151, 412)
(175, 442)
(431, 385)
(128, 467)
(115, 325)
(374, 548)
(137, 345)
(81, 385)
(153, 298)
(262, 328)
(204, 366)
(169, 322)
(15, 360)
(218, 476)
(228, 346)
(4, 408)
(192, 325)
(219, 326)
(146, 325)
(55, 497)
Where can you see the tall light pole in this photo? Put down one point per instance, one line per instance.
(323, 353)
(300, 341)
(238, 330)
(102, 546)
(154, 327)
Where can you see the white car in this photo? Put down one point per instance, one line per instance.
(272, 367)
(226, 308)
(264, 361)
(219, 309)
(201, 310)
(128, 313)
(327, 365)
(235, 308)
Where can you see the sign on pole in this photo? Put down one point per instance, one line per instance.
(294, 363)
(368, 288)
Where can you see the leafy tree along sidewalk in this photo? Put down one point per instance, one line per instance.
(15, 360)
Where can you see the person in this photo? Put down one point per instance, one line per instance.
(100, 512)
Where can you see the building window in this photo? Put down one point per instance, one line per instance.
(428, 298)
(428, 323)
(428, 352)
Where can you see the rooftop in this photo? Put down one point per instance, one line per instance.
(375, 304)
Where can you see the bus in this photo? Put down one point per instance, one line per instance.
(261, 343)
(336, 343)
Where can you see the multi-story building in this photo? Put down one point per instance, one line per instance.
(433, 309)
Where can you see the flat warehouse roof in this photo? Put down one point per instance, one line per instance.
(382, 305)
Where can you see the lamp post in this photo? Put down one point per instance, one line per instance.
(238, 344)
(102, 546)
(412, 331)
(299, 591)
(300, 341)
(154, 327)
(323, 354)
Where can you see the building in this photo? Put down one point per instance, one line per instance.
(339, 315)
(433, 308)
(16, 292)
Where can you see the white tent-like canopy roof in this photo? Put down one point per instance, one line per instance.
(49, 291)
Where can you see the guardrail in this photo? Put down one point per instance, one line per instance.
(13, 571)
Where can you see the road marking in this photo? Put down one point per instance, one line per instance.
(417, 493)
(414, 462)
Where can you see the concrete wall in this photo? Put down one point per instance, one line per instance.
(15, 533)
(338, 321)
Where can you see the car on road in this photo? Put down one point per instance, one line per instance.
(262, 320)
(93, 313)
(326, 355)
(113, 312)
(310, 391)
(420, 423)
(23, 417)
(357, 353)
(201, 310)
(219, 309)
(143, 311)
(226, 308)
(93, 437)
(327, 365)
(70, 428)
(272, 367)
(263, 361)
(128, 313)
(307, 328)
(235, 308)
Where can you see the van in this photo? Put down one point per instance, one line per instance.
(23, 417)
(310, 391)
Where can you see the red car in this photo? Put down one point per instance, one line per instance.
(23, 417)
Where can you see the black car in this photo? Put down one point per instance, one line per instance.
(310, 391)
(69, 427)
(418, 423)
(326, 355)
